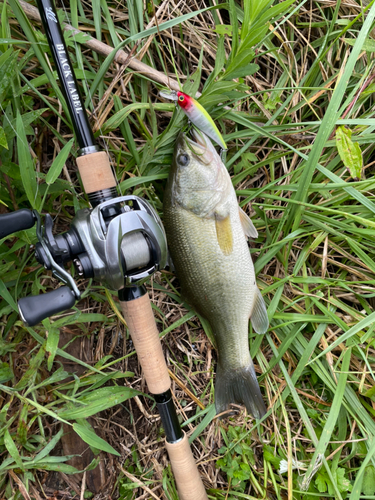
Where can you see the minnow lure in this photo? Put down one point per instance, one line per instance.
(196, 114)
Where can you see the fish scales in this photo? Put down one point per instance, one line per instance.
(225, 299)
(216, 272)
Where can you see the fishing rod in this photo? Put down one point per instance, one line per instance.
(120, 242)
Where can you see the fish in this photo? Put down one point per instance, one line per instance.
(196, 114)
(207, 236)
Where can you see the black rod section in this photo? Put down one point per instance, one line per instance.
(65, 71)
(168, 415)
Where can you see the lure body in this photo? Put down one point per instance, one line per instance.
(197, 115)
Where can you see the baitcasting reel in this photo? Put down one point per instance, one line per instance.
(119, 242)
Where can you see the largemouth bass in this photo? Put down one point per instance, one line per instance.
(207, 237)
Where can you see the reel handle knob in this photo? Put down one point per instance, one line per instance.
(35, 308)
(16, 221)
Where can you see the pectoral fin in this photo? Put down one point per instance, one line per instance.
(247, 226)
(224, 235)
(259, 318)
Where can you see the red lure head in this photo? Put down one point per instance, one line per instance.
(183, 100)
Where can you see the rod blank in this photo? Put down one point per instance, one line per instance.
(65, 71)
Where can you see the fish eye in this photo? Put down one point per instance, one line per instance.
(183, 160)
(181, 98)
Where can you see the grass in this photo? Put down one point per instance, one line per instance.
(279, 79)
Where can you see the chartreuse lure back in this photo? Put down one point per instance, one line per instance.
(196, 114)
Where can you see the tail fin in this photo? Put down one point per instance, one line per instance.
(239, 386)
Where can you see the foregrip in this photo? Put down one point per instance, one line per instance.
(96, 172)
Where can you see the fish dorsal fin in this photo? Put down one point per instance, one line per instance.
(247, 226)
(224, 234)
(259, 318)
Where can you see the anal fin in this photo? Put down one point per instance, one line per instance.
(247, 226)
(259, 318)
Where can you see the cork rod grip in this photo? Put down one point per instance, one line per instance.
(142, 327)
(96, 172)
(189, 482)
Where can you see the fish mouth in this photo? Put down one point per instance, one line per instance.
(199, 145)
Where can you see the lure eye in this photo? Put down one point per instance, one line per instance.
(181, 98)
(183, 160)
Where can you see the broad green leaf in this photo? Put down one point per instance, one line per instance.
(26, 164)
(52, 345)
(349, 151)
(3, 139)
(252, 10)
(27, 119)
(4, 293)
(92, 439)
(59, 162)
(99, 400)
(234, 23)
(64, 468)
(30, 374)
(57, 376)
(49, 447)
(242, 60)
(223, 29)
(5, 27)
(12, 449)
(43, 409)
(220, 56)
(368, 44)
(368, 485)
(269, 455)
(5, 373)
(357, 487)
(238, 72)
(7, 71)
(343, 482)
(322, 482)
(22, 425)
(370, 393)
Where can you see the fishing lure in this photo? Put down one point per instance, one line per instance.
(197, 115)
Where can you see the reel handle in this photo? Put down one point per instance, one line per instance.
(16, 221)
(35, 308)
